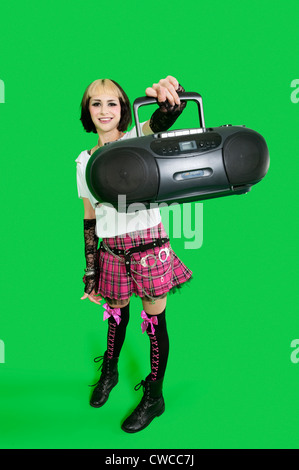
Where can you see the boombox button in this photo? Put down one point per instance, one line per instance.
(163, 135)
(179, 133)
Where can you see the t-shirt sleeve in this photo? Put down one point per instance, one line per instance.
(82, 187)
(81, 183)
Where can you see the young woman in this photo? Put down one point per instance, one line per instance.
(150, 269)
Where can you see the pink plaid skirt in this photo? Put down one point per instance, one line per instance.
(154, 272)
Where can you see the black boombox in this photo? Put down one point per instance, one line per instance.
(178, 166)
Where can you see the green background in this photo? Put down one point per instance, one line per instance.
(230, 381)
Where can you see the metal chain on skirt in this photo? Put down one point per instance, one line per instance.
(149, 276)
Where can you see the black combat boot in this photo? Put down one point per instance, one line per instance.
(151, 405)
(108, 380)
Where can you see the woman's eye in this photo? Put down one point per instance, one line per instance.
(112, 104)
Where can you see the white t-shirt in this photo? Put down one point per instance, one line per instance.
(110, 222)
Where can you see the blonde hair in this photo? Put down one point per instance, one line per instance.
(102, 85)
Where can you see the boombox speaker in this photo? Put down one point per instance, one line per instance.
(178, 166)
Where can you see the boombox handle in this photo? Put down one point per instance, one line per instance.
(187, 96)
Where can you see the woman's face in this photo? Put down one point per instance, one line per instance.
(105, 112)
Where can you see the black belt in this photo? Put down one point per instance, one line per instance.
(135, 249)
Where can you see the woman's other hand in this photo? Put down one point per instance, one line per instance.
(93, 297)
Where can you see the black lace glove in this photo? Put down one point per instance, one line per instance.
(166, 115)
(91, 278)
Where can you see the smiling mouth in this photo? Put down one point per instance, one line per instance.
(103, 120)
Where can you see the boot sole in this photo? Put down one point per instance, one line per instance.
(146, 425)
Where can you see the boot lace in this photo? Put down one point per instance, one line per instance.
(143, 405)
(141, 384)
(99, 359)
